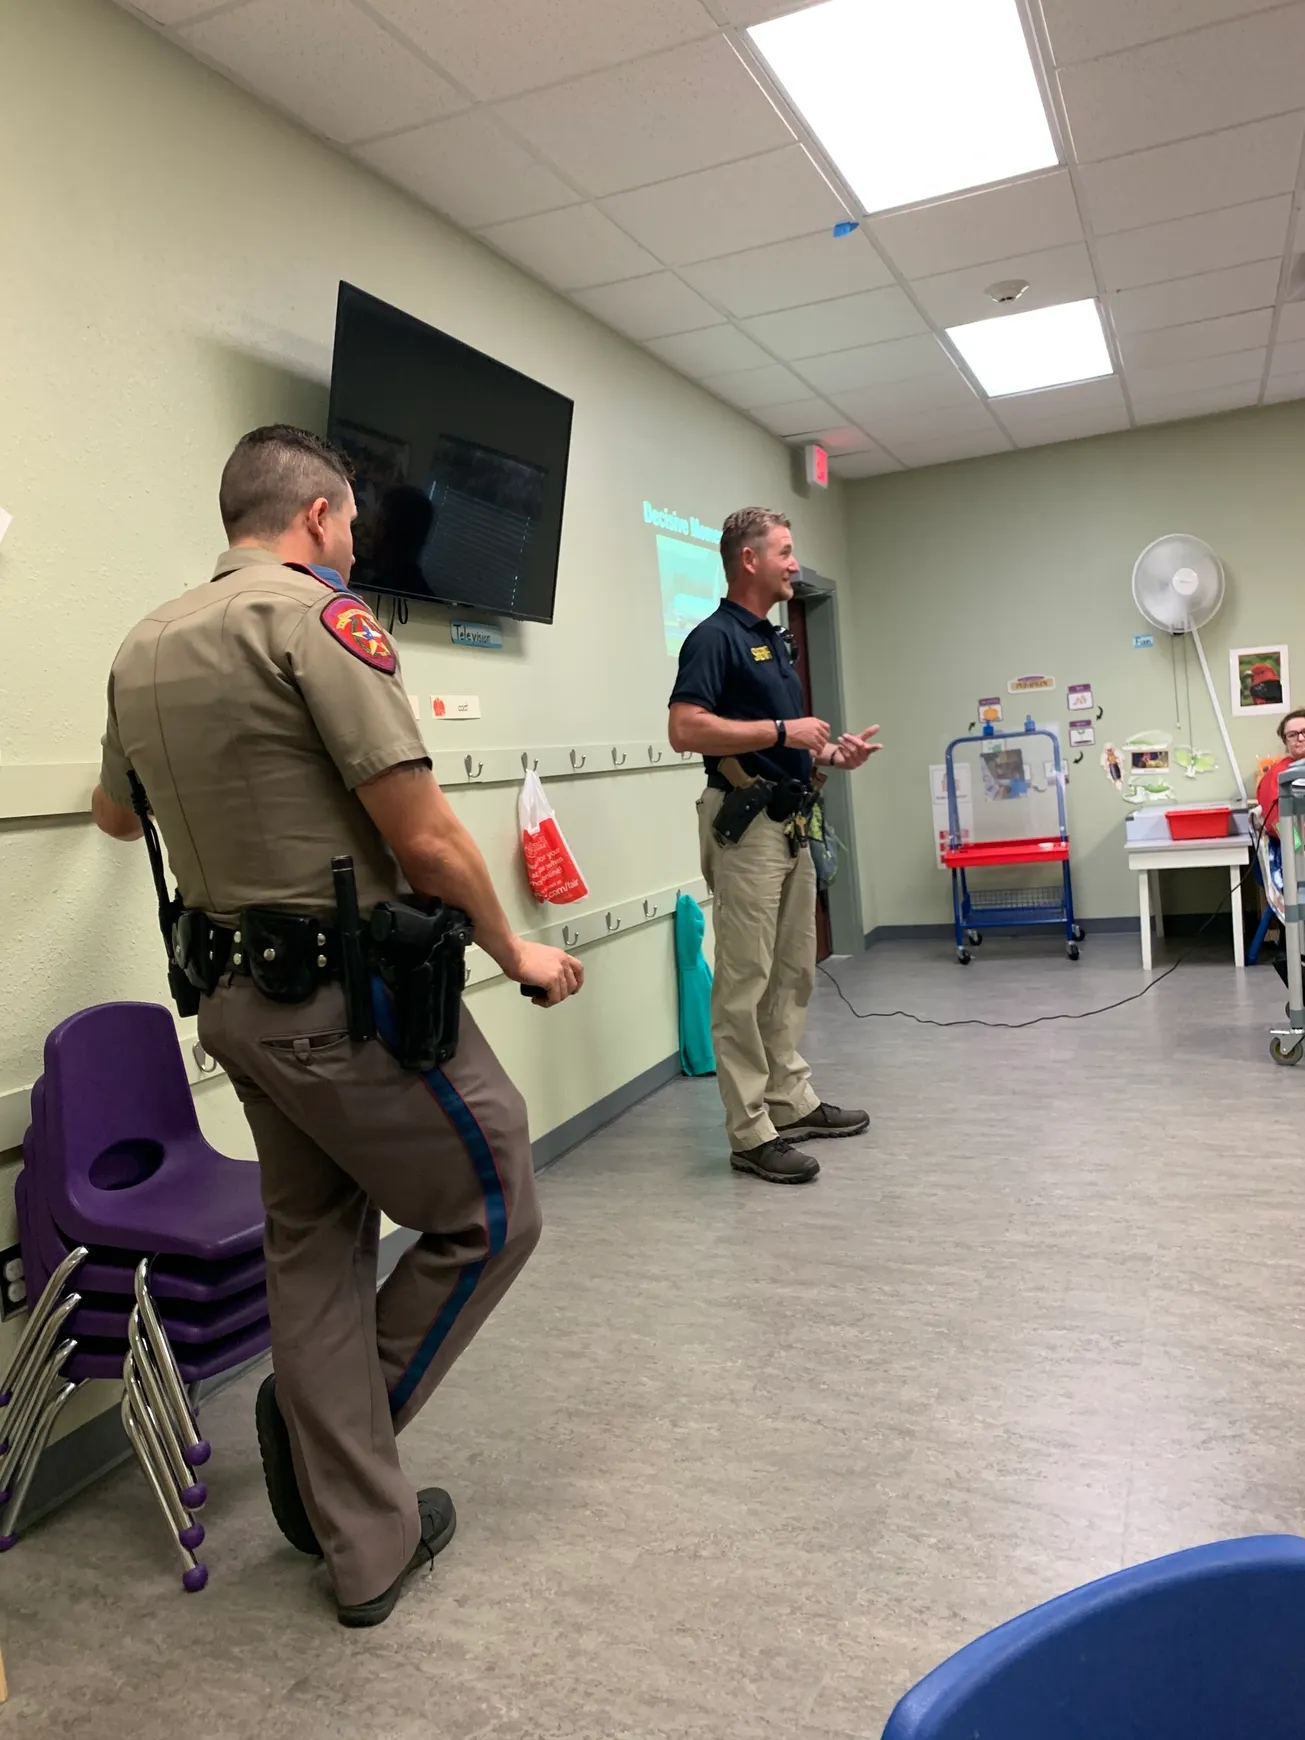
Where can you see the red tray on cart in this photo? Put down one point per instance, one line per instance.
(1050, 850)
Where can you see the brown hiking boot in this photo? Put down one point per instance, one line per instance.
(826, 1120)
(778, 1162)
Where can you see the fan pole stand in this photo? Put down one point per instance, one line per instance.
(1218, 713)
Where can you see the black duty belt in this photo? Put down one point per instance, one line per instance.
(294, 949)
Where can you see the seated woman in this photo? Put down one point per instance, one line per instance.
(1291, 734)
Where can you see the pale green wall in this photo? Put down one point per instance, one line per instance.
(172, 250)
(964, 576)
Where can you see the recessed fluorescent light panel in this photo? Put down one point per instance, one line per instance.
(913, 99)
(1047, 347)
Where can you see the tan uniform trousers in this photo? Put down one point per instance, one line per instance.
(342, 1134)
(764, 918)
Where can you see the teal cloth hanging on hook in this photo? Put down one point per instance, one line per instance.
(696, 1054)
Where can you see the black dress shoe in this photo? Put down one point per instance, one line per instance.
(438, 1522)
(279, 1471)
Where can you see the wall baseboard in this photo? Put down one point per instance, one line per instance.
(99, 1445)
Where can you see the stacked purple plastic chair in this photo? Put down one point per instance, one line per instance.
(121, 1197)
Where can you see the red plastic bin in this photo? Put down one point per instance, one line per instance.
(1210, 823)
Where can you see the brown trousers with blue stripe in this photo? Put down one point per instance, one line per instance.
(344, 1135)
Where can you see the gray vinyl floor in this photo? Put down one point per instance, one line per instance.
(740, 1461)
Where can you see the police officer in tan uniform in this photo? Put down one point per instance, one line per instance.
(266, 718)
(738, 702)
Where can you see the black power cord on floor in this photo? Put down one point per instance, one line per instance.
(1036, 1020)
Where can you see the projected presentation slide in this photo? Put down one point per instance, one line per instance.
(693, 584)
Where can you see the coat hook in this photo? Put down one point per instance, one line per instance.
(577, 764)
(569, 941)
(615, 762)
(654, 758)
(647, 913)
(527, 764)
(613, 927)
(686, 755)
(480, 768)
(206, 1065)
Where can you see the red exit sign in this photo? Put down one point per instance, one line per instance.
(817, 465)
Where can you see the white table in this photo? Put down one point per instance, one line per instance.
(1150, 857)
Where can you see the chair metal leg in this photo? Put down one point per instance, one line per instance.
(40, 1312)
(150, 1456)
(22, 1486)
(140, 1362)
(32, 1386)
(195, 1449)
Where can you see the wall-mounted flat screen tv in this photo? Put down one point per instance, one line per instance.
(459, 462)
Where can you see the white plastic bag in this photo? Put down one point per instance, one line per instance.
(554, 874)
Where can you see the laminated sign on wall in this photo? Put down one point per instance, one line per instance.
(554, 874)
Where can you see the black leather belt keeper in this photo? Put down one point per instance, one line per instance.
(288, 955)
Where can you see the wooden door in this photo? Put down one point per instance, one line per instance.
(797, 628)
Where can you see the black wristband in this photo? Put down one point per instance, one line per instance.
(781, 733)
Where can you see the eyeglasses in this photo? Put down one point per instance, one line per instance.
(1297, 736)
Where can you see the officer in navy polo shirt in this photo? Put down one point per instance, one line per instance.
(738, 703)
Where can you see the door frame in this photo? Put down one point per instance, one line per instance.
(818, 594)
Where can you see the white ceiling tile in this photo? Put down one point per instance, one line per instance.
(747, 12)
(1052, 432)
(714, 351)
(798, 418)
(889, 399)
(469, 169)
(518, 45)
(1291, 321)
(932, 425)
(1203, 297)
(1204, 243)
(1205, 402)
(1017, 218)
(652, 307)
(1172, 181)
(724, 210)
(872, 316)
(786, 274)
(842, 438)
(1196, 374)
(1186, 85)
(1174, 344)
(1284, 387)
(1085, 401)
(571, 249)
(1081, 32)
(748, 388)
(169, 11)
(328, 64)
(946, 448)
(1053, 276)
(899, 359)
(687, 109)
(1288, 359)
(873, 462)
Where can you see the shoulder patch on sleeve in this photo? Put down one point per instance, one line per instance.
(354, 626)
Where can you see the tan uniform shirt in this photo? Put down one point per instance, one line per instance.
(249, 709)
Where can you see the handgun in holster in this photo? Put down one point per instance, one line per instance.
(419, 951)
(739, 808)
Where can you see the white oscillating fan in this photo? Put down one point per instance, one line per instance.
(1178, 585)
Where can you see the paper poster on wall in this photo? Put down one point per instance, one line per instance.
(1004, 774)
(6, 520)
(1082, 733)
(1027, 685)
(1078, 698)
(990, 709)
(1259, 680)
(941, 817)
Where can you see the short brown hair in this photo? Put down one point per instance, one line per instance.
(1296, 713)
(273, 473)
(743, 529)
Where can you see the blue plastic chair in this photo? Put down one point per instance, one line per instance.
(1203, 1645)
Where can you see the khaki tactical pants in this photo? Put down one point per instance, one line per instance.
(764, 917)
(343, 1134)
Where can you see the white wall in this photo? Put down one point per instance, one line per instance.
(172, 254)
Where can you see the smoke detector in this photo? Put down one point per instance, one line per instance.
(1007, 290)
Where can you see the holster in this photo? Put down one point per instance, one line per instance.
(282, 951)
(419, 952)
(739, 808)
